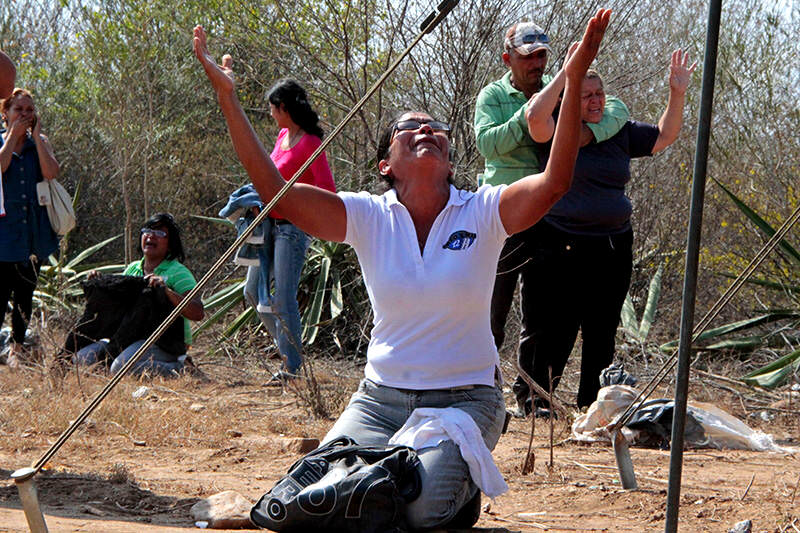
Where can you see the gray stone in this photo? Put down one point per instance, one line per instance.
(226, 510)
(745, 526)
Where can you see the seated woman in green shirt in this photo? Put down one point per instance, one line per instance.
(160, 265)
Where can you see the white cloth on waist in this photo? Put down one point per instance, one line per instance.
(428, 426)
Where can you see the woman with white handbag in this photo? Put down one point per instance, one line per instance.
(26, 236)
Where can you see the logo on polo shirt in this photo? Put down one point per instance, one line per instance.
(460, 240)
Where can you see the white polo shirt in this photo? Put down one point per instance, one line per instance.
(431, 325)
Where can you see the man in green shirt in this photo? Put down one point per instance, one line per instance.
(502, 138)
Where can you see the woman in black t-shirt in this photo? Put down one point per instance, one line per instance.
(583, 250)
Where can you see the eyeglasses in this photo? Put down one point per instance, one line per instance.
(411, 125)
(155, 232)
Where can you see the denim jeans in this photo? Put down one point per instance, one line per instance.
(155, 361)
(282, 257)
(376, 412)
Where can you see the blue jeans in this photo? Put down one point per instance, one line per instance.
(155, 361)
(282, 257)
(376, 412)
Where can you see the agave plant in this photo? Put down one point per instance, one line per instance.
(59, 280)
(784, 322)
(321, 282)
(636, 329)
(221, 302)
(323, 254)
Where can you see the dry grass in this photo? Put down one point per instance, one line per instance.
(37, 405)
(149, 458)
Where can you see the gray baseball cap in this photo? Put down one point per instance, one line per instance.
(527, 38)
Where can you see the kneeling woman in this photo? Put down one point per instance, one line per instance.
(428, 252)
(161, 265)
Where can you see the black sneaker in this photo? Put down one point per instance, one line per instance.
(522, 410)
(544, 412)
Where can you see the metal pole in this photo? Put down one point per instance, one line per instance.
(23, 478)
(692, 254)
(627, 475)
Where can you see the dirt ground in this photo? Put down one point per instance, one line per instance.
(140, 463)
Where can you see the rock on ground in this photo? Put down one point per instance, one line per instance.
(225, 510)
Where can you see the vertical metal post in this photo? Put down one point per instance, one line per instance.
(692, 255)
(627, 475)
(23, 479)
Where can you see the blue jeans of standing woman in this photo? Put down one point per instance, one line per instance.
(281, 257)
(376, 412)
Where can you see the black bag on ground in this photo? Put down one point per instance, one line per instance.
(343, 487)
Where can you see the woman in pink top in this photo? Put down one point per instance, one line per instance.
(285, 244)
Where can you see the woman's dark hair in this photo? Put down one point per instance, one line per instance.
(166, 221)
(385, 140)
(293, 97)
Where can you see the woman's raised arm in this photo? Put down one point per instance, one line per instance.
(539, 113)
(525, 201)
(316, 211)
(669, 126)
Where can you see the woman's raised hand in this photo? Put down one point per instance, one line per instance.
(579, 62)
(36, 127)
(155, 281)
(679, 73)
(574, 46)
(220, 76)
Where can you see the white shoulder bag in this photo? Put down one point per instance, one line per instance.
(59, 205)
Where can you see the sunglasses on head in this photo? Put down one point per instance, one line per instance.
(531, 38)
(155, 232)
(410, 125)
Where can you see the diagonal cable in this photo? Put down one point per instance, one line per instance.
(701, 326)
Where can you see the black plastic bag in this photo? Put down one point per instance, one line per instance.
(343, 487)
